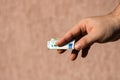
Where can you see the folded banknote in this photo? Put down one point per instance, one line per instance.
(52, 44)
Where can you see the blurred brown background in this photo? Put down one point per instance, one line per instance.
(27, 25)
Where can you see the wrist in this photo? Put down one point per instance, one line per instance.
(116, 16)
(116, 12)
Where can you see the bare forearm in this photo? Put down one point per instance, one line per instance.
(116, 11)
(115, 15)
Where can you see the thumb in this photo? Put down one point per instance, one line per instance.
(85, 41)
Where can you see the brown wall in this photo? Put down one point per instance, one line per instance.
(26, 26)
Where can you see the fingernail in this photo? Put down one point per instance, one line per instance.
(77, 46)
(57, 43)
(72, 57)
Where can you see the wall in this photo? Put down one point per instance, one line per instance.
(26, 26)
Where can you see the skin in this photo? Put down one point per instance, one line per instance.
(100, 29)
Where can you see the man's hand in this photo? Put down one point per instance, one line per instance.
(90, 30)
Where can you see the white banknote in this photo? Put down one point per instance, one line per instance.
(52, 45)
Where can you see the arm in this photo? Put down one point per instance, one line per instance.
(116, 14)
(98, 29)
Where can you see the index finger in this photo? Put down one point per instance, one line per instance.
(69, 36)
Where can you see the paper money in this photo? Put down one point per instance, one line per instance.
(52, 44)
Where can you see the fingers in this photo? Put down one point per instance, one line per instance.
(69, 36)
(66, 39)
(74, 54)
(61, 51)
(85, 41)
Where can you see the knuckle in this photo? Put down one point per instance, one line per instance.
(84, 42)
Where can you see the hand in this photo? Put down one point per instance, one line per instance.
(90, 30)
